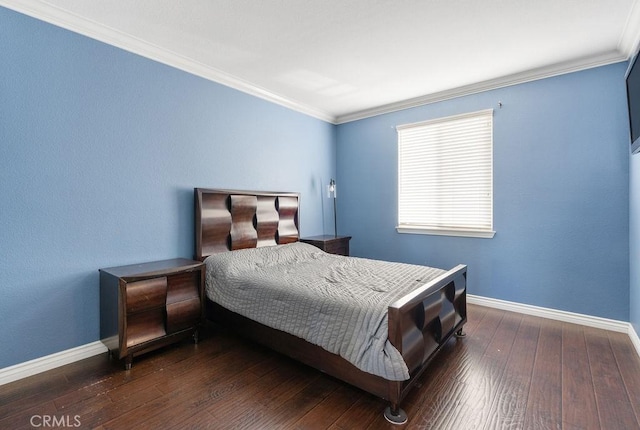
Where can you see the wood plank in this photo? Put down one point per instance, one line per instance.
(511, 396)
(96, 411)
(183, 397)
(15, 402)
(629, 366)
(474, 390)
(365, 412)
(22, 420)
(262, 402)
(200, 421)
(544, 402)
(579, 408)
(327, 412)
(612, 400)
(302, 402)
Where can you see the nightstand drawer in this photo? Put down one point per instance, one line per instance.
(183, 286)
(143, 327)
(183, 314)
(147, 294)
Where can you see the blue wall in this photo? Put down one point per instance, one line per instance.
(101, 149)
(100, 152)
(561, 194)
(634, 239)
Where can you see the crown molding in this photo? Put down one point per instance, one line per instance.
(77, 24)
(630, 38)
(492, 84)
(46, 12)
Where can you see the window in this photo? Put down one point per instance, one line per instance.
(445, 176)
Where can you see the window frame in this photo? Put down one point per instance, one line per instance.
(443, 229)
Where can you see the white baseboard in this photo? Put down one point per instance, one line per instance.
(570, 317)
(635, 340)
(564, 316)
(33, 367)
(42, 364)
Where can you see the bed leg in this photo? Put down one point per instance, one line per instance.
(395, 415)
(460, 333)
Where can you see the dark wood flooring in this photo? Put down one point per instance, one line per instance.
(511, 372)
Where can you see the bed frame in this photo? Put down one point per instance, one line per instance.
(419, 323)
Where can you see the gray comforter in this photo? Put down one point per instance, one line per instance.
(339, 303)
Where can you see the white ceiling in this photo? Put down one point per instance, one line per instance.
(340, 60)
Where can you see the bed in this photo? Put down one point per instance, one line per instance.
(410, 311)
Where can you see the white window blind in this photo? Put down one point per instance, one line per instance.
(446, 176)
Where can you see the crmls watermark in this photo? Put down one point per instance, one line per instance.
(55, 421)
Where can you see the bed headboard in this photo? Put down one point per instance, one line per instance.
(227, 220)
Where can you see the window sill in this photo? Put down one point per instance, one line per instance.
(485, 234)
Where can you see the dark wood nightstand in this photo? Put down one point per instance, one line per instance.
(146, 306)
(329, 243)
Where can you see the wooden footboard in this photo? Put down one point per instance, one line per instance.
(424, 320)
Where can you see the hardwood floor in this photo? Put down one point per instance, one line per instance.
(511, 372)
